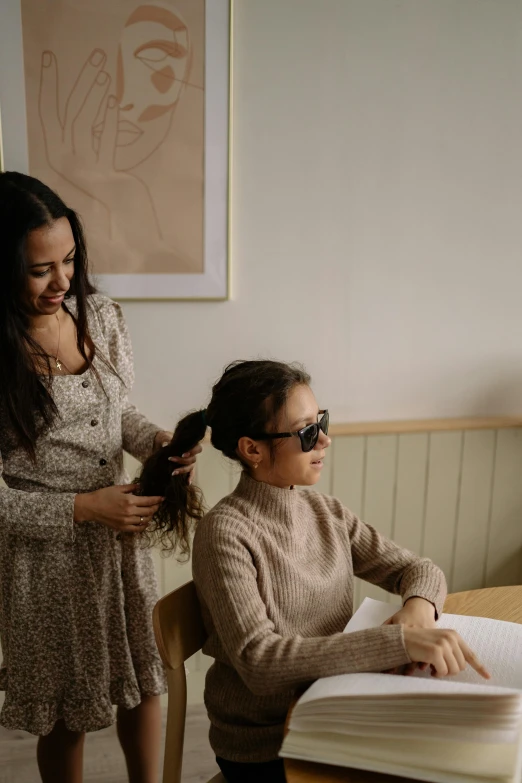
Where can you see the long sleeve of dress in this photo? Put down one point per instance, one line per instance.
(48, 516)
(138, 432)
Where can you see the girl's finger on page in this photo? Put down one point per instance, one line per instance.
(474, 662)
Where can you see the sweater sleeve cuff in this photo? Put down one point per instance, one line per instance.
(428, 583)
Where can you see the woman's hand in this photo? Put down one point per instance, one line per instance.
(187, 461)
(443, 650)
(116, 507)
(81, 145)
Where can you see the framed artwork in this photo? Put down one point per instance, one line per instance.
(1, 144)
(128, 107)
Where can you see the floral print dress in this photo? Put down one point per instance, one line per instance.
(76, 600)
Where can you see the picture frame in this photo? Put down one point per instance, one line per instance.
(156, 212)
(1, 143)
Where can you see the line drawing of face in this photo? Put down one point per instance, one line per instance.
(153, 65)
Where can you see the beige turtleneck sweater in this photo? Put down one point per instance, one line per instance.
(274, 570)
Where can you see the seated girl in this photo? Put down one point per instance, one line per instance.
(274, 567)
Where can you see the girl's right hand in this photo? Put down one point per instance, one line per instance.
(116, 507)
(442, 649)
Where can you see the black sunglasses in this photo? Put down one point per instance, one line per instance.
(308, 435)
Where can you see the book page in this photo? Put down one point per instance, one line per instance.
(497, 644)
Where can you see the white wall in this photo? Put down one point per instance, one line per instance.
(376, 195)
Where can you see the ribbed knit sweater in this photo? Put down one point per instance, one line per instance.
(274, 570)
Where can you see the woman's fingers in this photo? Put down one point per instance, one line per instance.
(184, 469)
(48, 98)
(82, 87)
(189, 457)
(144, 501)
(108, 133)
(127, 488)
(85, 132)
(186, 464)
(183, 460)
(141, 521)
(140, 516)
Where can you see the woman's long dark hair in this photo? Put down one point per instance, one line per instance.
(246, 399)
(26, 403)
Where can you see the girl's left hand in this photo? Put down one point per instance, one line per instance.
(416, 613)
(186, 463)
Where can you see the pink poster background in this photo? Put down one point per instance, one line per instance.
(115, 106)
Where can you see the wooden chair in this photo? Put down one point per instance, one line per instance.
(179, 631)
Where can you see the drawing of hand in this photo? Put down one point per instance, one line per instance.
(81, 148)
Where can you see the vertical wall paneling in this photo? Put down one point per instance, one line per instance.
(412, 460)
(504, 551)
(379, 494)
(348, 471)
(471, 535)
(442, 499)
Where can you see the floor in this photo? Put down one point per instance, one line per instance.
(103, 758)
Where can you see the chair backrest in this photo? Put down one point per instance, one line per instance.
(179, 632)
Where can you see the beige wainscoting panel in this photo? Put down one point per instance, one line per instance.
(348, 457)
(471, 536)
(442, 498)
(412, 482)
(504, 549)
(378, 506)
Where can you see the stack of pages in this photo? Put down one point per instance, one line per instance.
(461, 729)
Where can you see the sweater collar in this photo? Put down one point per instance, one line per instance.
(266, 497)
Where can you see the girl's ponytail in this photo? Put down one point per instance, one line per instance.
(172, 524)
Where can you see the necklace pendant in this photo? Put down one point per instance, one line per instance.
(58, 364)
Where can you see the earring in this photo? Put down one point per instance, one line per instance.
(255, 465)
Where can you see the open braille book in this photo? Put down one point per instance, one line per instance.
(461, 729)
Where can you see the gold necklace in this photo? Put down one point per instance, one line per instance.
(56, 359)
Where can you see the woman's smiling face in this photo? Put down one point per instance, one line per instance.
(153, 66)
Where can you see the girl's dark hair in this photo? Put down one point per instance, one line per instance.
(26, 403)
(246, 399)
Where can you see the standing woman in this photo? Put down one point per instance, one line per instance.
(76, 587)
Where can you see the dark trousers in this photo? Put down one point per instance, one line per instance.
(264, 772)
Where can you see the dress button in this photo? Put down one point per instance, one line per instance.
(85, 384)
(94, 422)
(118, 537)
(103, 462)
